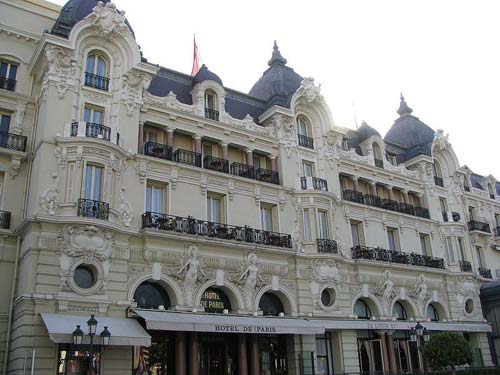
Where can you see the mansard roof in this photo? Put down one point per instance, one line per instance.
(204, 74)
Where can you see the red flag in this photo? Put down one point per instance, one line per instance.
(196, 59)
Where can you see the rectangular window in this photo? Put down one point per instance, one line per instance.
(267, 213)
(93, 182)
(425, 244)
(472, 213)
(151, 135)
(4, 122)
(302, 126)
(215, 208)
(461, 248)
(479, 256)
(450, 251)
(76, 360)
(207, 149)
(155, 197)
(324, 354)
(393, 239)
(497, 220)
(357, 233)
(210, 101)
(93, 114)
(307, 169)
(307, 224)
(8, 70)
(443, 204)
(70, 181)
(345, 144)
(323, 224)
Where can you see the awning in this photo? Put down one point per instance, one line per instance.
(402, 325)
(124, 332)
(176, 321)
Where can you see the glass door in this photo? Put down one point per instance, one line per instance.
(272, 355)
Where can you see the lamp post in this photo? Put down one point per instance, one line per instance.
(92, 326)
(420, 335)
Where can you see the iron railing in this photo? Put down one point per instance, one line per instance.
(5, 219)
(187, 157)
(485, 272)
(379, 163)
(384, 255)
(479, 226)
(372, 200)
(97, 82)
(326, 246)
(8, 83)
(353, 196)
(406, 208)
(306, 141)
(267, 175)
(216, 164)
(211, 114)
(206, 228)
(242, 170)
(438, 181)
(422, 212)
(317, 183)
(465, 266)
(13, 141)
(157, 150)
(92, 208)
(94, 130)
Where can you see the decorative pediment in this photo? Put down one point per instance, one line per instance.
(88, 241)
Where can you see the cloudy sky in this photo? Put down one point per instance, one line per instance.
(443, 55)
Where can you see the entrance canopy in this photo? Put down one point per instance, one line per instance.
(174, 321)
(124, 332)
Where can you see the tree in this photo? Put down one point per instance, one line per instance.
(447, 349)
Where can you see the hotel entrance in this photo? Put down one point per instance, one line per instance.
(217, 355)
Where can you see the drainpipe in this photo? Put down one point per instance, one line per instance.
(11, 306)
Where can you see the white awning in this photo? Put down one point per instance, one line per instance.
(191, 322)
(124, 332)
(402, 325)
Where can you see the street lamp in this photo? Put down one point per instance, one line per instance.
(92, 326)
(420, 335)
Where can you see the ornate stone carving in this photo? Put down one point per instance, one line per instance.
(333, 145)
(61, 69)
(297, 237)
(193, 272)
(421, 294)
(125, 209)
(108, 21)
(88, 241)
(141, 167)
(15, 166)
(49, 199)
(20, 111)
(441, 141)
(385, 291)
(249, 279)
(325, 271)
(309, 90)
(284, 131)
(132, 90)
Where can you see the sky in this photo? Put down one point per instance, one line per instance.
(442, 55)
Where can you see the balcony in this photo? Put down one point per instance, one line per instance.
(389, 204)
(93, 209)
(313, 183)
(497, 231)
(7, 84)
(353, 196)
(212, 114)
(187, 157)
(13, 141)
(97, 82)
(438, 181)
(465, 266)
(379, 163)
(485, 272)
(92, 130)
(157, 150)
(242, 170)
(422, 212)
(190, 225)
(267, 175)
(373, 200)
(406, 208)
(326, 246)
(479, 226)
(216, 164)
(384, 255)
(4, 219)
(306, 141)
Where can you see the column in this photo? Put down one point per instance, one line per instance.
(385, 355)
(141, 137)
(274, 166)
(197, 144)
(392, 353)
(406, 196)
(225, 151)
(355, 183)
(391, 193)
(373, 188)
(170, 137)
(180, 353)
(194, 364)
(254, 355)
(249, 152)
(242, 355)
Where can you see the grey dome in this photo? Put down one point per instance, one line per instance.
(365, 131)
(278, 83)
(73, 12)
(205, 75)
(408, 131)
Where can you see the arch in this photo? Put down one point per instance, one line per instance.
(152, 295)
(377, 151)
(438, 172)
(12, 58)
(270, 304)
(211, 99)
(232, 292)
(284, 296)
(303, 124)
(439, 308)
(371, 301)
(317, 111)
(409, 306)
(172, 288)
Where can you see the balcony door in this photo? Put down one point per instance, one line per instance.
(308, 169)
(4, 123)
(323, 224)
(93, 115)
(93, 186)
(155, 198)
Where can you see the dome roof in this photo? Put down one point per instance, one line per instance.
(365, 131)
(73, 12)
(278, 83)
(205, 75)
(408, 131)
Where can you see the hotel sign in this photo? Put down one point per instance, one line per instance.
(215, 301)
(233, 328)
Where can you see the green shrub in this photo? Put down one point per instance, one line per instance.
(447, 350)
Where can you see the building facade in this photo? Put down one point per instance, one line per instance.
(217, 232)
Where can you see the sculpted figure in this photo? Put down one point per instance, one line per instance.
(192, 268)
(251, 276)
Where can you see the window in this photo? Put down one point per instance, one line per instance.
(308, 168)
(399, 311)
(8, 72)
(93, 182)
(444, 209)
(393, 239)
(207, 149)
(150, 134)
(75, 361)
(4, 122)
(302, 126)
(472, 213)
(323, 224)
(425, 244)
(307, 225)
(210, 100)
(267, 217)
(215, 208)
(362, 310)
(94, 115)
(392, 159)
(85, 276)
(270, 305)
(432, 313)
(437, 169)
(461, 248)
(479, 256)
(450, 252)
(151, 295)
(96, 72)
(345, 144)
(324, 358)
(155, 197)
(357, 233)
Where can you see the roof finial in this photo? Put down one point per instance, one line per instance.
(276, 58)
(403, 107)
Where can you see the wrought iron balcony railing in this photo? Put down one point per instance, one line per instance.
(216, 164)
(97, 82)
(384, 255)
(157, 150)
(373, 200)
(306, 141)
(242, 170)
(379, 163)
(326, 246)
(187, 157)
(94, 209)
(5, 219)
(267, 175)
(406, 208)
(465, 266)
(13, 141)
(422, 212)
(390, 204)
(438, 181)
(211, 114)
(479, 226)
(485, 272)
(7, 84)
(198, 227)
(314, 183)
(92, 130)
(353, 196)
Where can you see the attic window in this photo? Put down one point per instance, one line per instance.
(211, 111)
(345, 144)
(392, 159)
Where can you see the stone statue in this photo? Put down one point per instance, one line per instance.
(386, 290)
(251, 277)
(193, 269)
(297, 238)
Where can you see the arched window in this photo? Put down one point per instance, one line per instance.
(377, 156)
(491, 191)
(466, 183)
(270, 304)
(362, 310)
(399, 311)
(438, 173)
(432, 313)
(214, 300)
(96, 71)
(304, 132)
(211, 105)
(151, 295)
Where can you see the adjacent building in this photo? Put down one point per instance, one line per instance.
(211, 231)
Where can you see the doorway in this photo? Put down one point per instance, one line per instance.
(272, 353)
(218, 355)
